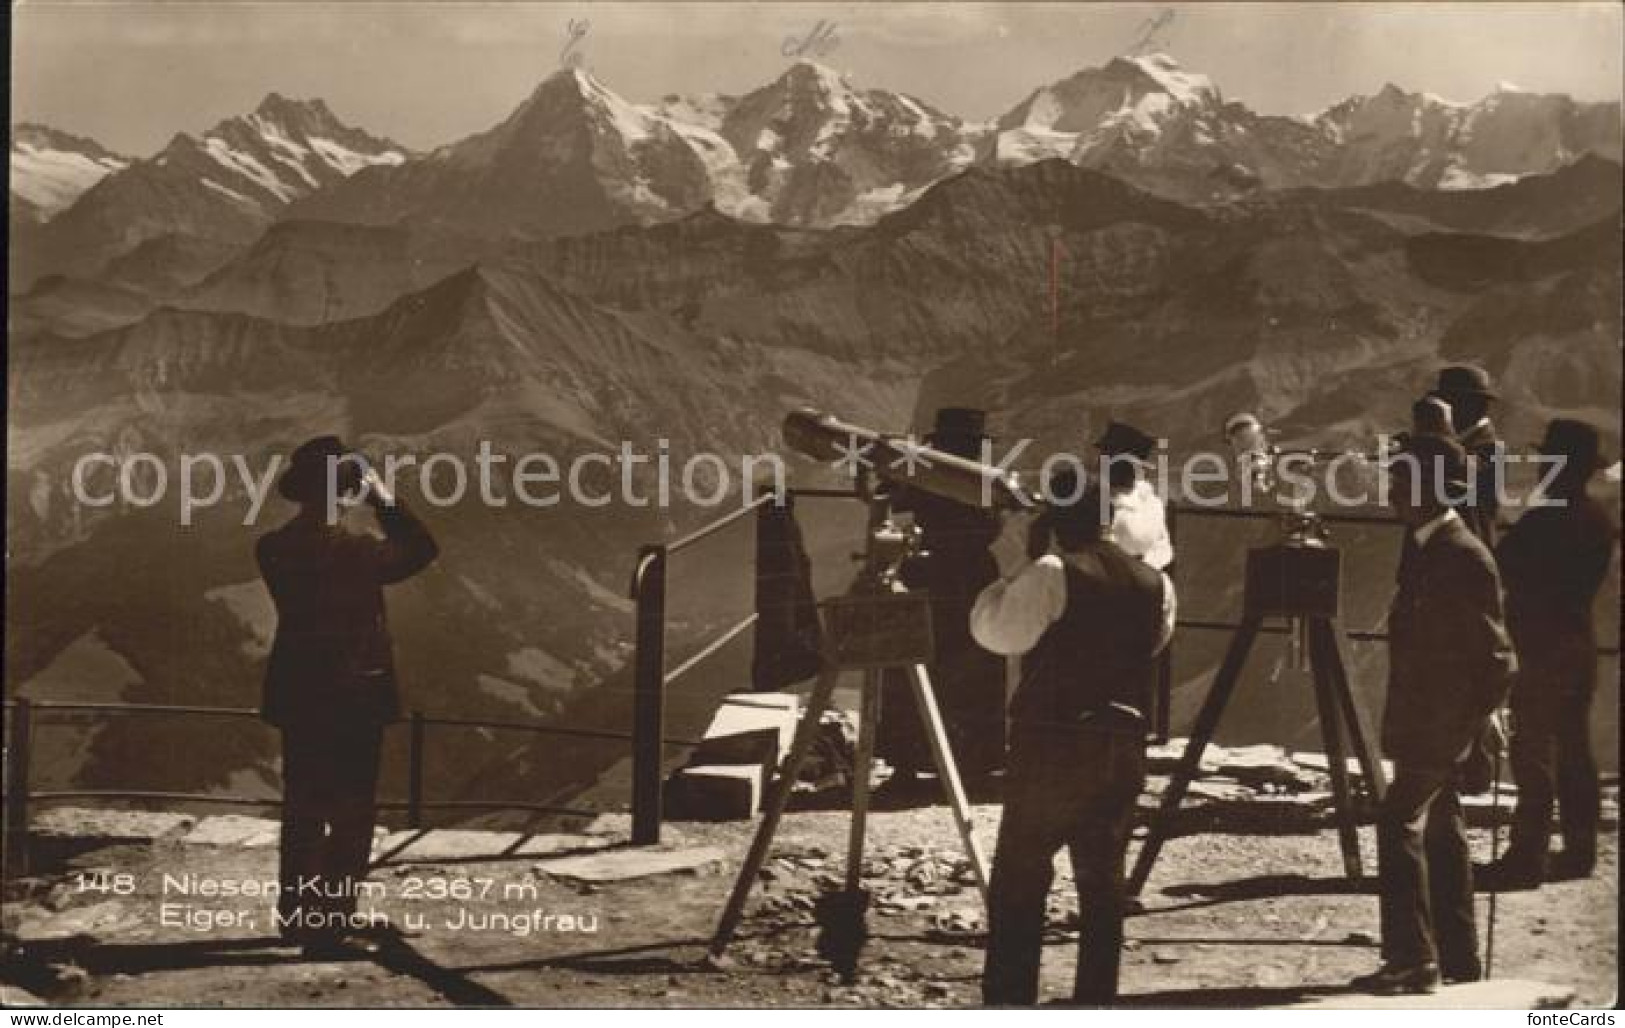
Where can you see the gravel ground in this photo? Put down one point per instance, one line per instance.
(1227, 920)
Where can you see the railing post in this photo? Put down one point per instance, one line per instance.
(16, 771)
(1162, 724)
(648, 695)
(414, 772)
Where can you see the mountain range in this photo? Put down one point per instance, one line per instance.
(1149, 121)
(808, 149)
(592, 271)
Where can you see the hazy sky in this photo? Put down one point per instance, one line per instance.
(133, 74)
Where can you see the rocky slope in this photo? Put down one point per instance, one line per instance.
(484, 355)
(310, 272)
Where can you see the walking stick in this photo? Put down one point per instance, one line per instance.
(1495, 852)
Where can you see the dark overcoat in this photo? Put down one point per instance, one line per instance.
(1450, 658)
(332, 657)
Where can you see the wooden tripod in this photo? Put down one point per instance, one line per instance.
(873, 584)
(1334, 702)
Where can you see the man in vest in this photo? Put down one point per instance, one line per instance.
(1554, 560)
(1090, 620)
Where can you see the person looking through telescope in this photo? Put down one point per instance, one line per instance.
(1464, 392)
(1139, 517)
(1090, 620)
(952, 567)
(1465, 389)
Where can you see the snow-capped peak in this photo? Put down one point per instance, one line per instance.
(807, 73)
(813, 147)
(562, 101)
(1438, 101)
(575, 79)
(261, 162)
(1142, 91)
(51, 168)
(808, 90)
(44, 137)
(573, 84)
(1130, 98)
(1433, 143)
(1504, 86)
(289, 148)
(1186, 87)
(275, 105)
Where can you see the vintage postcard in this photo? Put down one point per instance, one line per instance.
(796, 505)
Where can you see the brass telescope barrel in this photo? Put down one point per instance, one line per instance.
(824, 437)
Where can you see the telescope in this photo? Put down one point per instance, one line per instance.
(898, 459)
(1257, 456)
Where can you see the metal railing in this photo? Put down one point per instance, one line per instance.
(21, 728)
(650, 676)
(647, 740)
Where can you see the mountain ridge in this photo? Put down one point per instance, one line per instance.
(807, 149)
(224, 185)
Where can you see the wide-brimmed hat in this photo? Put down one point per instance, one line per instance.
(1576, 441)
(958, 430)
(1464, 380)
(306, 479)
(1120, 439)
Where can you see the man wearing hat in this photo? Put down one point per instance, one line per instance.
(330, 680)
(1554, 560)
(954, 566)
(1432, 416)
(1450, 661)
(1465, 388)
(1139, 518)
